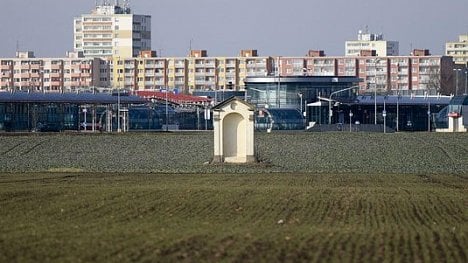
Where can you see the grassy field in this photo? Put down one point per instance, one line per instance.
(280, 152)
(233, 217)
(324, 197)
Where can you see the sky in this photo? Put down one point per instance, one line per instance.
(224, 27)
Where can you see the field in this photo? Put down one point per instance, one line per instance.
(279, 152)
(314, 198)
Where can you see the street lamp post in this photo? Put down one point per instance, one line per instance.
(300, 96)
(85, 124)
(375, 91)
(279, 83)
(457, 70)
(466, 80)
(330, 112)
(350, 120)
(428, 114)
(167, 113)
(384, 114)
(398, 110)
(118, 110)
(118, 98)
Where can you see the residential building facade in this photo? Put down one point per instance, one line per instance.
(419, 73)
(112, 30)
(458, 50)
(198, 71)
(27, 73)
(367, 41)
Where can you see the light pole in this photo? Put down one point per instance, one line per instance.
(428, 114)
(375, 91)
(466, 80)
(118, 97)
(330, 112)
(457, 70)
(398, 110)
(350, 120)
(167, 113)
(384, 114)
(279, 83)
(300, 96)
(85, 124)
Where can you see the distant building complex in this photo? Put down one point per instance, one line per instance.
(27, 73)
(112, 50)
(369, 43)
(416, 74)
(112, 30)
(458, 50)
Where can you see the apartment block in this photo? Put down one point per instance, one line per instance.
(371, 42)
(418, 73)
(27, 73)
(458, 50)
(112, 30)
(185, 74)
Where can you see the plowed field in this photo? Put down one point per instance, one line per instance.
(332, 197)
(232, 217)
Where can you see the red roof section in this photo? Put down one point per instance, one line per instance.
(171, 97)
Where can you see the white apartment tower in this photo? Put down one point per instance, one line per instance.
(371, 42)
(458, 50)
(111, 30)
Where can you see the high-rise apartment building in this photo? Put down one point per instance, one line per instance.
(371, 42)
(112, 30)
(458, 50)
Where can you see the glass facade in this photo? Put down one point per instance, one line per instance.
(294, 92)
(279, 119)
(41, 112)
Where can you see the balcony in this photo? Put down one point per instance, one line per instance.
(5, 75)
(25, 75)
(85, 66)
(56, 66)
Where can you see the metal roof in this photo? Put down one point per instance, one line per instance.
(301, 79)
(79, 98)
(459, 100)
(404, 100)
(172, 97)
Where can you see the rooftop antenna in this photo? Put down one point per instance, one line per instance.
(17, 45)
(190, 47)
(126, 6)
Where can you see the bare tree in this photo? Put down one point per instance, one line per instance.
(440, 82)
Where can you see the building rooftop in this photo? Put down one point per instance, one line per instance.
(79, 98)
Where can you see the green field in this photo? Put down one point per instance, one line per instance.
(314, 198)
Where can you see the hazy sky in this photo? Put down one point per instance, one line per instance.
(223, 27)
